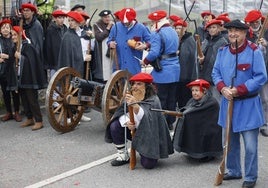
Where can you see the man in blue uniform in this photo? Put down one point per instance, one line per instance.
(241, 64)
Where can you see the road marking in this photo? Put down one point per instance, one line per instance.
(72, 172)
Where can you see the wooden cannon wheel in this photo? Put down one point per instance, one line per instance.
(66, 116)
(113, 93)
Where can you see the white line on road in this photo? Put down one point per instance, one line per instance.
(72, 172)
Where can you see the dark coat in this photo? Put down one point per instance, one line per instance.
(187, 58)
(152, 138)
(6, 46)
(32, 74)
(34, 31)
(71, 54)
(210, 48)
(197, 132)
(54, 35)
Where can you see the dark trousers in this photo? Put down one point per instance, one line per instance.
(29, 98)
(118, 136)
(7, 97)
(167, 95)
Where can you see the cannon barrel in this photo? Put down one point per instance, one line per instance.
(89, 91)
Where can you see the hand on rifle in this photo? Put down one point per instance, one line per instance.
(112, 44)
(263, 42)
(89, 34)
(87, 57)
(229, 93)
(201, 59)
(1, 60)
(131, 126)
(17, 55)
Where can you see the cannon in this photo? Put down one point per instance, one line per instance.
(72, 95)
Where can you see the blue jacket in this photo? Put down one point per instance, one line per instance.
(125, 54)
(251, 75)
(170, 72)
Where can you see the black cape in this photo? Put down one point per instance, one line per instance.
(54, 35)
(71, 54)
(152, 138)
(197, 132)
(32, 74)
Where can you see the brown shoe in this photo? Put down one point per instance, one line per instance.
(37, 125)
(27, 123)
(7, 116)
(17, 117)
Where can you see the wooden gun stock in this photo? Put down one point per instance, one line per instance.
(263, 29)
(167, 112)
(199, 48)
(19, 44)
(132, 162)
(220, 172)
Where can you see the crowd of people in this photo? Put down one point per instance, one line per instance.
(197, 81)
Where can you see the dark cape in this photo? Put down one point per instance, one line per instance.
(71, 54)
(6, 46)
(197, 132)
(54, 35)
(32, 74)
(152, 138)
(34, 31)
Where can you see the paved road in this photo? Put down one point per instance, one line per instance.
(81, 158)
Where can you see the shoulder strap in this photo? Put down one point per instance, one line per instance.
(162, 43)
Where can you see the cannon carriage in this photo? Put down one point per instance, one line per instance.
(68, 95)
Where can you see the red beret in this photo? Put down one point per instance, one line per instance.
(207, 13)
(58, 13)
(76, 16)
(175, 18)
(142, 77)
(180, 22)
(225, 19)
(127, 15)
(85, 15)
(224, 14)
(214, 21)
(116, 14)
(199, 82)
(5, 21)
(18, 30)
(253, 15)
(157, 15)
(29, 6)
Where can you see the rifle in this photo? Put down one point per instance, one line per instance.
(263, 29)
(167, 112)
(199, 49)
(220, 172)
(19, 45)
(132, 162)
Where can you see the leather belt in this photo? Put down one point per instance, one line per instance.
(166, 56)
(246, 97)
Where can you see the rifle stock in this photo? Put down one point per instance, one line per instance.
(199, 47)
(167, 112)
(132, 162)
(220, 172)
(264, 25)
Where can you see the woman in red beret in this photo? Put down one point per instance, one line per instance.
(197, 132)
(7, 74)
(152, 139)
(31, 78)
